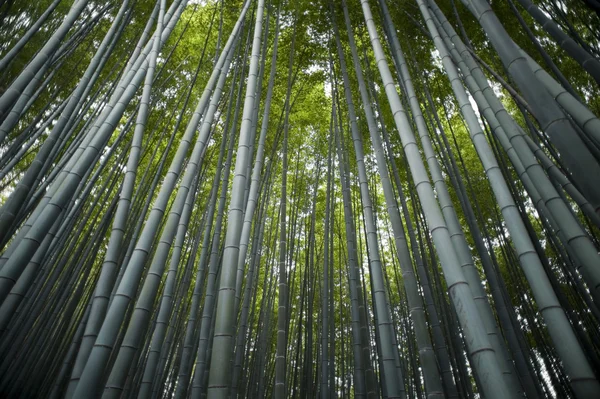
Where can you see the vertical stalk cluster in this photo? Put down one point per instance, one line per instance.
(365, 198)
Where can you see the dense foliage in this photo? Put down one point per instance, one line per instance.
(269, 198)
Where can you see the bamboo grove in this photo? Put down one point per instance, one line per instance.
(313, 198)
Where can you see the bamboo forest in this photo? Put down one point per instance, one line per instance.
(300, 199)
